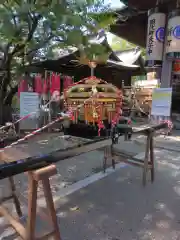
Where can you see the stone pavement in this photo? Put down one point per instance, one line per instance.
(171, 143)
(116, 207)
(69, 171)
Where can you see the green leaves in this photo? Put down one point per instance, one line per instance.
(95, 52)
(38, 27)
(74, 37)
(103, 20)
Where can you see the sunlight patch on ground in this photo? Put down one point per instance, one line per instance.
(177, 190)
(163, 224)
(163, 208)
(148, 218)
(42, 142)
(174, 138)
(171, 165)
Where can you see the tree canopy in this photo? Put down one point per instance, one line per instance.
(33, 29)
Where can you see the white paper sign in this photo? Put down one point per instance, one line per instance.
(161, 102)
(147, 83)
(29, 102)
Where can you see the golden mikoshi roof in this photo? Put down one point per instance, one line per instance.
(84, 88)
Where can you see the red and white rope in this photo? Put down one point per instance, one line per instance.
(44, 127)
(32, 133)
(23, 118)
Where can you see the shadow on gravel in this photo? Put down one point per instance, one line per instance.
(118, 207)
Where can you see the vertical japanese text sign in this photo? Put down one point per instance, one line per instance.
(155, 36)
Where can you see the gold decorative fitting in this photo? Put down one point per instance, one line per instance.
(95, 115)
(92, 80)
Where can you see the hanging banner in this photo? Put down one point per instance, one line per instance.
(23, 87)
(161, 102)
(38, 84)
(173, 35)
(155, 37)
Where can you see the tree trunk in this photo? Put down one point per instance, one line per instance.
(6, 101)
(9, 97)
(5, 114)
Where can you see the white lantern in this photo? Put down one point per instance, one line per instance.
(155, 37)
(173, 35)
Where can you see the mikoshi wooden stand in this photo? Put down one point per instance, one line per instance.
(147, 164)
(29, 232)
(42, 174)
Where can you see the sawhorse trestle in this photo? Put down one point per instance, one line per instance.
(27, 231)
(147, 164)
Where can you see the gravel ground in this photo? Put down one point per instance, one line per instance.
(171, 143)
(78, 168)
(118, 207)
(69, 171)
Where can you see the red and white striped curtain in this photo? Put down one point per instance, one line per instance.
(67, 82)
(38, 85)
(55, 83)
(55, 87)
(45, 86)
(23, 87)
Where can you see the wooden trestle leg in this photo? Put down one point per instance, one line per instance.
(147, 164)
(108, 154)
(14, 197)
(152, 157)
(105, 159)
(28, 232)
(149, 158)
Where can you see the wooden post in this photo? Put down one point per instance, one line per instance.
(34, 178)
(152, 156)
(147, 164)
(32, 199)
(146, 159)
(108, 153)
(112, 155)
(15, 198)
(50, 207)
(105, 160)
